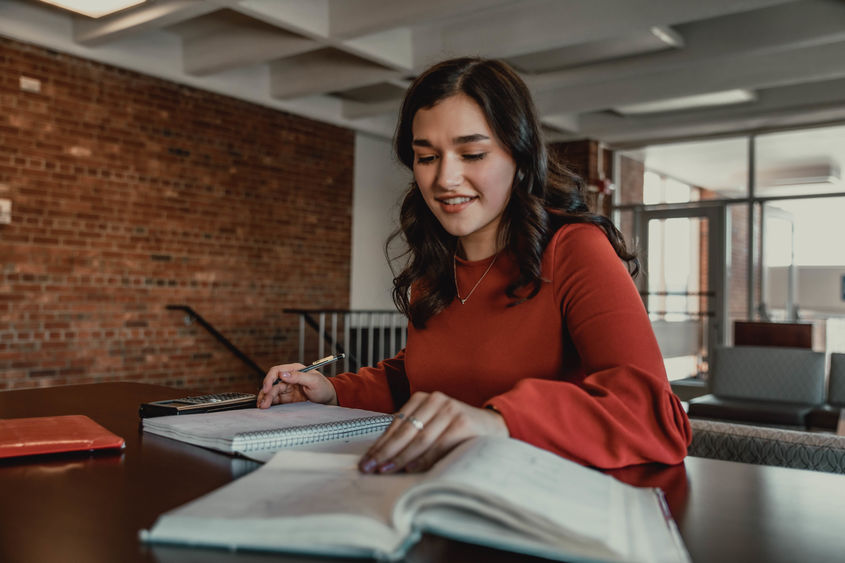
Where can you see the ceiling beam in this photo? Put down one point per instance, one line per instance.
(358, 110)
(91, 32)
(779, 28)
(351, 18)
(563, 122)
(789, 105)
(530, 27)
(744, 125)
(319, 72)
(310, 19)
(306, 17)
(237, 41)
(394, 47)
(755, 71)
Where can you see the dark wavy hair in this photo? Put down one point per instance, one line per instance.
(545, 194)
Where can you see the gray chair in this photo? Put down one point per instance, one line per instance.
(836, 383)
(827, 416)
(763, 385)
(767, 446)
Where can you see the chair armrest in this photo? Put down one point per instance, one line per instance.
(767, 446)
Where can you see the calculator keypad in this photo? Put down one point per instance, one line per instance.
(216, 398)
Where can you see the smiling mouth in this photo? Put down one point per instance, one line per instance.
(456, 200)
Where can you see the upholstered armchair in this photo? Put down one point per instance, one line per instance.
(763, 385)
(829, 416)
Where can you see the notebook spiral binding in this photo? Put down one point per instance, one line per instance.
(313, 433)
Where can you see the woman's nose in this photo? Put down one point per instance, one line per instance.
(450, 174)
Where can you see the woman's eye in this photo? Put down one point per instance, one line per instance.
(475, 156)
(425, 159)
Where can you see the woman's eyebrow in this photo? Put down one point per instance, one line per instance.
(462, 140)
(470, 139)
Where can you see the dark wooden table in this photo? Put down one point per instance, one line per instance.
(82, 507)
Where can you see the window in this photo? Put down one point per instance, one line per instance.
(783, 251)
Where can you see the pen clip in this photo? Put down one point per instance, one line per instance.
(321, 360)
(324, 361)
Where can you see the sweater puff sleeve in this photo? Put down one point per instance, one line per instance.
(620, 410)
(374, 388)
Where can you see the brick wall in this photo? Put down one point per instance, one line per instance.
(130, 193)
(582, 157)
(737, 290)
(631, 180)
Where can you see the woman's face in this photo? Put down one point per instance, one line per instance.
(464, 172)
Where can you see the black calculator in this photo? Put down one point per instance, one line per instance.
(198, 404)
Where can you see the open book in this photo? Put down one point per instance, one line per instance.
(497, 492)
(258, 433)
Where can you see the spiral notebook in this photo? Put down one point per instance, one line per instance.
(256, 432)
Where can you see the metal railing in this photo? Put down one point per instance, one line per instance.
(191, 316)
(365, 336)
(699, 307)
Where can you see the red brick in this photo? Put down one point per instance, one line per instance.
(110, 172)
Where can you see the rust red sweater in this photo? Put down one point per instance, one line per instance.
(575, 370)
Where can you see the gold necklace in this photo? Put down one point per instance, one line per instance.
(463, 300)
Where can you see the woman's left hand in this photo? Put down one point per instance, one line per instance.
(427, 428)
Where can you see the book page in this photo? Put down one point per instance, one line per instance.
(464, 525)
(534, 491)
(299, 501)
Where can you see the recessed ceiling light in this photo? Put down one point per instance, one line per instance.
(94, 8)
(724, 98)
(668, 36)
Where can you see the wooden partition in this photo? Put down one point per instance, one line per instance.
(758, 333)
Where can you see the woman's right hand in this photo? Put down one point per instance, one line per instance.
(295, 386)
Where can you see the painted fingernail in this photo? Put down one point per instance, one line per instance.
(368, 465)
(387, 467)
(285, 374)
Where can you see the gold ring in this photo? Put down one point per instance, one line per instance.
(416, 422)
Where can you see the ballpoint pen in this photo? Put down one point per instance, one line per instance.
(328, 360)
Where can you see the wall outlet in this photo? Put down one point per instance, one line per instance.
(5, 211)
(29, 84)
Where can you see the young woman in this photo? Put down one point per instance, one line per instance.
(524, 320)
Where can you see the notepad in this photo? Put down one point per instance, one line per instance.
(248, 431)
(54, 434)
(497, 492)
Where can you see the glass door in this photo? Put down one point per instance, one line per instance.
(683, 287)
(779, 276)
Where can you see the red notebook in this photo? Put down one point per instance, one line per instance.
(53, 434)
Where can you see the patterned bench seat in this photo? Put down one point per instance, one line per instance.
(817, 451)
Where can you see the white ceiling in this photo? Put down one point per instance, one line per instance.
(348, 61)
